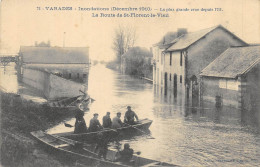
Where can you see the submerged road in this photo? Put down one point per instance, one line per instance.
(183, 135)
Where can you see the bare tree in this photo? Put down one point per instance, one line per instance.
(124, 38)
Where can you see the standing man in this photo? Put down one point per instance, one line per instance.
(130, 116)
(94, 124)
(117, 123)
(107, 123)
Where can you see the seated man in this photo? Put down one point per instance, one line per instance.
(130, 116)
(107, 123)
(126, 154)
(117, 123)
(94, 124)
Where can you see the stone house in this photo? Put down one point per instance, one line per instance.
(233, 79)
(177, 64)
(54, 70)
(67, 62)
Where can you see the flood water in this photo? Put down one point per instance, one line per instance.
(184, 136)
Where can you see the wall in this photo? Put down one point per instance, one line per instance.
(36, 79)
(52, 86)
(226, 88)
(158, 67)
(250, 88)
(203, 52)
(60, 87)
(75, 72)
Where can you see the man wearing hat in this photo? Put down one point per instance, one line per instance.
(116, 122)
(107, 123)
(94, 124)
(130, 116)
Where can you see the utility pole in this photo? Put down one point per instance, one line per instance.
(64, 34)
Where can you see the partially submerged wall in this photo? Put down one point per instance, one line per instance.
(52, 86)
(60, 87)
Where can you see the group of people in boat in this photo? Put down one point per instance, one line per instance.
(94, 125)
(102, 141)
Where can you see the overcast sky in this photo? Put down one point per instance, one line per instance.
(22, 24)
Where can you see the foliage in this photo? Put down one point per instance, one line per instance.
(124, 38)
(138, 62)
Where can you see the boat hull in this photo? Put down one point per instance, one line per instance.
(84, 155)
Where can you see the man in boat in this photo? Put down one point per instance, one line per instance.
(117, 123)
(130, 116)
(94, 124)
(107, 123)
(126, 154)
(80, 124)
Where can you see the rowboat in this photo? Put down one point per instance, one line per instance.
(84, 155)
(83, 100)
(90, 137)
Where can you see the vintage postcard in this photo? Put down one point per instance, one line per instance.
(130, 83)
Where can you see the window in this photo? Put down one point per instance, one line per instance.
(84, 75)
(181, 59)
(180, 78)
(170, 58)
(69, 75)
(170, 77)
(77, 75)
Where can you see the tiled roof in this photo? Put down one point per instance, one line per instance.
(233, 62)
(188, 39)
(55, 55)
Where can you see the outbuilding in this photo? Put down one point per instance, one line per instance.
(233, 79)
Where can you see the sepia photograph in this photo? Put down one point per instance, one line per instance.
(121, 83)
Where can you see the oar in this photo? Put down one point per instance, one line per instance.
(151, 137)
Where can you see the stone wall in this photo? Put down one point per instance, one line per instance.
(225, 88)
(52, 86)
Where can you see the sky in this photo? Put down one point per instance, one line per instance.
(22, 24)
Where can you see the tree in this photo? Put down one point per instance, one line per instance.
(124, 38)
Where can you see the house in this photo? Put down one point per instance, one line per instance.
(233, 78)
(137, 61)
(54, 70)
(67, 62)
(177, 64)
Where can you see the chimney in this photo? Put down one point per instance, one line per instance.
(181, 31)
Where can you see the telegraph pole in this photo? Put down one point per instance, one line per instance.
(64, 34)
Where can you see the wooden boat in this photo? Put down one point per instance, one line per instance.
(84, 101)
(85, 156)
(90, 137)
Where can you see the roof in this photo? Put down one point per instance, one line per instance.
(140, 51)
(55, 55)
(233, 62)
(188, 39)
(166, 40)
